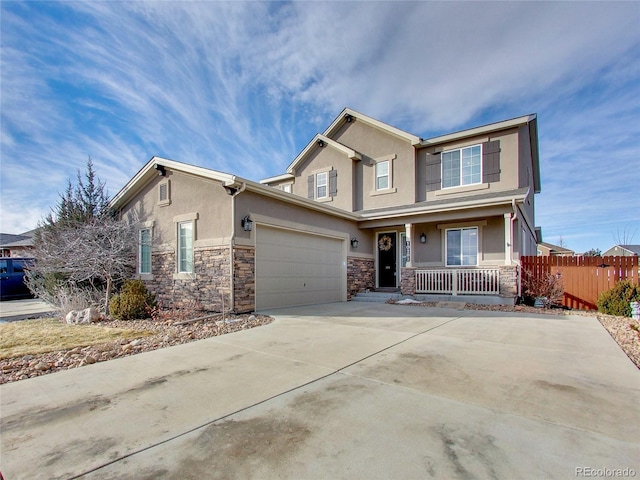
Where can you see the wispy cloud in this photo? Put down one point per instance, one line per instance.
(241, 87)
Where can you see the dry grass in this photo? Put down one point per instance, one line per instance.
(31, 337)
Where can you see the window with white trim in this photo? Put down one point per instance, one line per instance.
(382, 175)
(321, 185)
(462, 166)
(185, 247)
(462, 246)
(144, 251)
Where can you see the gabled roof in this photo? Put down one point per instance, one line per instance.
(232, 183)
(319, 141)
(634, 249)
(346, 116)
(556, 248)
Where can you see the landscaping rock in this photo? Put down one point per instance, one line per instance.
(83, 317)
(166, 334)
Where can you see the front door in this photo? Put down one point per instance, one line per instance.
(387, 260)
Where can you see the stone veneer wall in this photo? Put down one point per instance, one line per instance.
(509, 279)
(206, 292)
(360, 275)
(244, 274)
(408, 281)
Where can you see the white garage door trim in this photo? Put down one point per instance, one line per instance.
(297, 267)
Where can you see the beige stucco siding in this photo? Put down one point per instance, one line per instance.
(510, 153)
(325, 159)
(271, 211)
(188, 195)
(375, 145)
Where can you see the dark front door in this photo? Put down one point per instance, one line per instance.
(387, 243)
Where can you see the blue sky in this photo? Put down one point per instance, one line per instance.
(242, 88)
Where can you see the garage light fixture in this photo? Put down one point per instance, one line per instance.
(354, 242)
(423, 238)
(247, 224)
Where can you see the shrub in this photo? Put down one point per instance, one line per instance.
(616, 301)
(133, 302)
(547, 286)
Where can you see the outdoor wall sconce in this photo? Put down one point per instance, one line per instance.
(423, 238)
(320, 143)
(354, 242)
(247, 224)
(161, 171)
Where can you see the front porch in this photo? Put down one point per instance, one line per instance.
(453, 283)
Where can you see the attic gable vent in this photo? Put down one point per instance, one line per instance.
(164, 197)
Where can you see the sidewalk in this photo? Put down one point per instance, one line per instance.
(12, 310)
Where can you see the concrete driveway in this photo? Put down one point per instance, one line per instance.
(347, 390)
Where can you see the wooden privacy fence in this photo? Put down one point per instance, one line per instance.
(584, 278)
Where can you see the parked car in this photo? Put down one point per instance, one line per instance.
(12, 278)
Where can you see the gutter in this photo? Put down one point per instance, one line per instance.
(513, 220)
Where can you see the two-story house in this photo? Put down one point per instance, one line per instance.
(363, 206)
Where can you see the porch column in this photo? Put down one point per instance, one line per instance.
(409, 231)
(508, 239)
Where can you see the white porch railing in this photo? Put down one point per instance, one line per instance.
(464, 281)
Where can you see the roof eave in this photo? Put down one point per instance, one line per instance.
(459, 205)
(481, 130)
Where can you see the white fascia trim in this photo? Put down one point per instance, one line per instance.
(277, 178)
(352, 154)
(340, 119)
(349, 152)
(439, 208)
(492, 127)
(148, 171)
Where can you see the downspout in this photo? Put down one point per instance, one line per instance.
(231, 243)
(513, 220)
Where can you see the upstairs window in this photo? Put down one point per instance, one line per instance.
(462, 166)
(382, 175)
(321, 185)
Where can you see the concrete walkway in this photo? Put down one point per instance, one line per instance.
(13, 310)
(347, 390)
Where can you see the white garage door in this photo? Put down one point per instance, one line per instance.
(294, 268)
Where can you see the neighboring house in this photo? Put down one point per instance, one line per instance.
(623, 251)
(550, 250)
(16, 245)
(363, 206)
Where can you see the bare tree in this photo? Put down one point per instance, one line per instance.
(624, 237)
(81, 248)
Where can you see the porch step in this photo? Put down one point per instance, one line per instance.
(377, 297)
